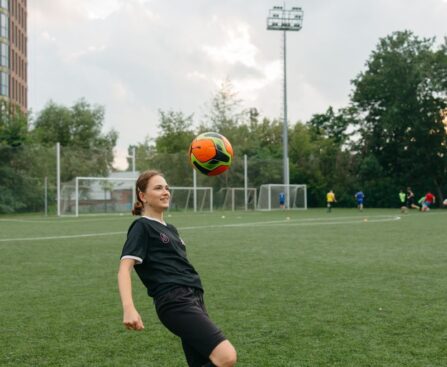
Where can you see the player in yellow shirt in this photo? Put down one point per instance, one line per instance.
(330, 199)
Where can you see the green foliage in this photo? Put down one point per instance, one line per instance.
(169, 153)
(16, 187)
(400, 97)
(332, 125)
(311, 153)
(391, 135)
(176, 132)
(225, 112)
(85, 150)
(27, 152)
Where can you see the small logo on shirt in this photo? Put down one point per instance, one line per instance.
(164, 238)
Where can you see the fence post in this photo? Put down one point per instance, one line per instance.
(58, 177)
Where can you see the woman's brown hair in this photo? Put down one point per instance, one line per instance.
(141, 186)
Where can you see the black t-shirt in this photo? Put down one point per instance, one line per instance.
(160, 255)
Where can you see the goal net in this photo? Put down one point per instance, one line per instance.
(101, 195)
(97, 195)
(234, 198)
(295, 196)
(190, 198)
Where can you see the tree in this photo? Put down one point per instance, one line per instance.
(332, 125)
(225, 111)
(168, 152)
(319, 161)
(399, 99)
(17, 190)
(85, 150)
(176, 132)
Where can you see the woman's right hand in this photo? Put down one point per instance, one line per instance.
(132, 319)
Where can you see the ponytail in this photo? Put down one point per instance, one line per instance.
(137, 208)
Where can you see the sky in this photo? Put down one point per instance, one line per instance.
(135, 57)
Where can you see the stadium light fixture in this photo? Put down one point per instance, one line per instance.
(282, 19)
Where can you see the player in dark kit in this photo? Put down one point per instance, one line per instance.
(157, 253)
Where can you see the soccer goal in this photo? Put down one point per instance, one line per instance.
(191, 198)
(234, 198)
(98, 195)
(295, 196)
(101, 195)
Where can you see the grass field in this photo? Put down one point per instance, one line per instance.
(314, 289)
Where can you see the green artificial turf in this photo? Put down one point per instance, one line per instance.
(298, 288)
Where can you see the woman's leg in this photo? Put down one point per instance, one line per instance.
(224, 355)
(183, 312)
(193, 357)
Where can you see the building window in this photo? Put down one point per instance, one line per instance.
(4, 55)
(4, 4)
(3, 25)
(4, 84)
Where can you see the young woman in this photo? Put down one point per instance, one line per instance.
(157, 253)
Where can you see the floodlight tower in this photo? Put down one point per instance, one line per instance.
(282, 19)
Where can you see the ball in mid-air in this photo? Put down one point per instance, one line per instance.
(211, 153)
(444, 202)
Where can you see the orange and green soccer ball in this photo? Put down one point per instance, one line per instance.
(211, 153)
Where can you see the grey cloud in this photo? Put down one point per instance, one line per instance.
(141, 57)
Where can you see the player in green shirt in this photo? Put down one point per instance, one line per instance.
(403, 200)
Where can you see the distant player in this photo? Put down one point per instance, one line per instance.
(282, 200)
(410, 200)
(403, 201)
(330, 200)
(429, 200)
(359, 197)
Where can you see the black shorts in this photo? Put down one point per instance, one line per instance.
(182, 310)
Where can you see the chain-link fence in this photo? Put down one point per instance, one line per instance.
(28, 179)
(28, 174)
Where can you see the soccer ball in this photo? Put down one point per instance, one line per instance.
(211, 153)
(444, 202)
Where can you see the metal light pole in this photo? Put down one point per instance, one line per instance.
(281, 19)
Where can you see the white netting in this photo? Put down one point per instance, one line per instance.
(97, 195)
(234, 198)
(295, 196)
(101, 195)
(182, 198)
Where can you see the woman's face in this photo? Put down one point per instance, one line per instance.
(157, 194)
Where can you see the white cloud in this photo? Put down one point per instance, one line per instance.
(136, 56)
(250, 88)
(48, 37)
(100, 9)
(75, 56)
(237, 49)
(120, 159)
(120, 91)
(196, 75)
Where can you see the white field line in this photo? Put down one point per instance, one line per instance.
(61, 237)
(62, 220)
(114, 217)
(296, 222)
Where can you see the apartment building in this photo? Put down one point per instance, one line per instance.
(13, 52)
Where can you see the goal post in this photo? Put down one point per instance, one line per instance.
(295, 196)
(235, 198)
(182, 198)
(104, 194)
(101, 195)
